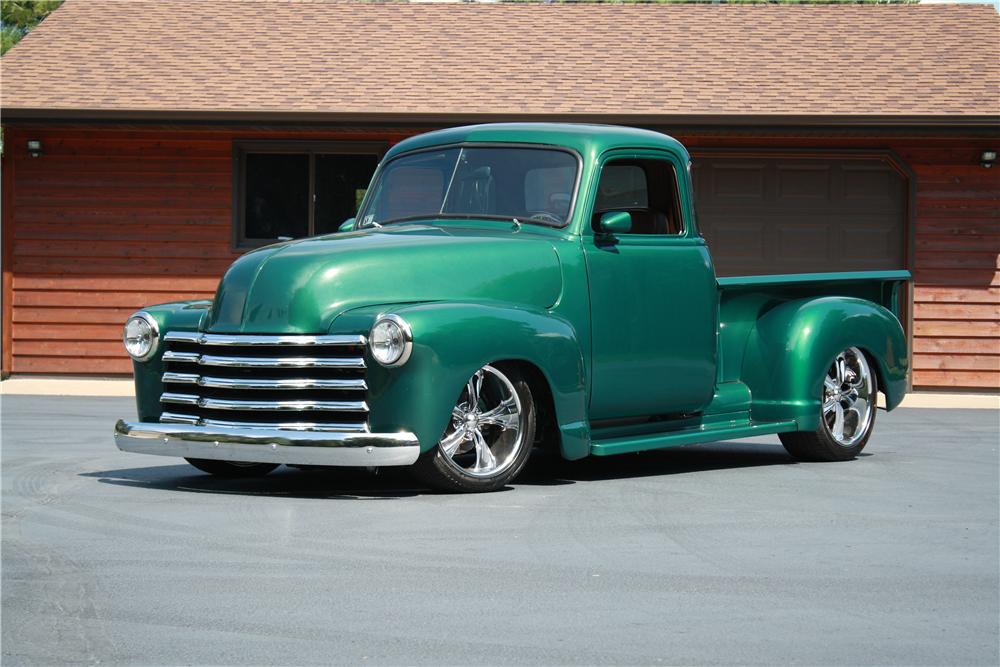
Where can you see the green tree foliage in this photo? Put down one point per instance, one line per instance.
(18, 17)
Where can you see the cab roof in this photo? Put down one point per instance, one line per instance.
(588, 140)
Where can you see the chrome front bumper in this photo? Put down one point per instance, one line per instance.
(258, 445)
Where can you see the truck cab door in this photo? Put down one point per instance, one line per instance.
(653, 292)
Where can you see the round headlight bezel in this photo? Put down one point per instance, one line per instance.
(405, 333)
(154, 335)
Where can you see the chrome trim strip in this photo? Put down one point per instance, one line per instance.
(181, 378)
(175, 418)
(263, 362)
(255, 383)
(268, 445)
(327, 406)
(183, 399)
(192, 357)
(254, 339)
(288, 426)
(234, 404)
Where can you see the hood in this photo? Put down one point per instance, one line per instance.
(301, 286)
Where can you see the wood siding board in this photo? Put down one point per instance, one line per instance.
(957, 311)
(115, 283)
(71, 333)
(968, 329)
(935, 379)
(101, 299)
(929, 294)
(61, 315)
(972, 278)
(152, 266)
(74, 249)
(968, 362)
(89, 365)
(946, 345)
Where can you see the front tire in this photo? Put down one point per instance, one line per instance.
(490, 436)
(847, 412)
(232, 469)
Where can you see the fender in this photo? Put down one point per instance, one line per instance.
(791, 346)
(175, 316)
(451, 340)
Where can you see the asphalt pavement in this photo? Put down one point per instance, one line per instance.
(728, 553)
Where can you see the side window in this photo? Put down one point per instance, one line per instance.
(646, 188)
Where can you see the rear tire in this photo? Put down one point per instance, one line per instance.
(490, 436)
(847, 412)
(232, 469)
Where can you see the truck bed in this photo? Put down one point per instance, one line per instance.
(742, 302)
(744, 299)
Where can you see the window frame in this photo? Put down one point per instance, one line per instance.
(492, 144)
(638, 156)
(311, 148)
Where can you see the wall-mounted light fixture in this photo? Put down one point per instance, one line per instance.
(34, 147)
(988, 158)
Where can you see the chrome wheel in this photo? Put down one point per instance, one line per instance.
(487, 426)
(848, 398)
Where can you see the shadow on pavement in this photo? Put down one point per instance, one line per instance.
(333, 483)
(550, 469)
(545, 469)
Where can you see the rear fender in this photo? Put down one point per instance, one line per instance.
(792, 346)
(453, 340)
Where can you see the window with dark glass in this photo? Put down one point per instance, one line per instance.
(647, 189)
(287, 190)
(530, 184)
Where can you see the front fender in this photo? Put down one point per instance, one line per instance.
(175, 316)
(453, 340)
(791, 347)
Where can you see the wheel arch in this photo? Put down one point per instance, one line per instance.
(790, 347)
(451, 340)
(546, 420)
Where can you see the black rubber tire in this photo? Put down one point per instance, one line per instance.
(819, 445)
(434, 471)
(232, 470)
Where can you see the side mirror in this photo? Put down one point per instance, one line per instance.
(616, 222)
(346, 225)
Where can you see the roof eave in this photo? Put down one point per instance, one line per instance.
(15, 114)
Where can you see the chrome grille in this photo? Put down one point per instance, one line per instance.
(314, 383)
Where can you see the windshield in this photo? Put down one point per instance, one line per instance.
(526, 184)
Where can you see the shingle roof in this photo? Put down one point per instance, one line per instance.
(340, 60)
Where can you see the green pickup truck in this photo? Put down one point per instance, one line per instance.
(505, 287)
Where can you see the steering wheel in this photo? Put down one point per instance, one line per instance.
(544, 216)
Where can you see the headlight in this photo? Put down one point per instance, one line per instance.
(141, 336)
(391, 340)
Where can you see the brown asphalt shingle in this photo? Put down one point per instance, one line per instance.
(514, 59)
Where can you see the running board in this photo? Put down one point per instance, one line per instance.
(686, 436)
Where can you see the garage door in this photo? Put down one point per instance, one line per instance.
(767, 215)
